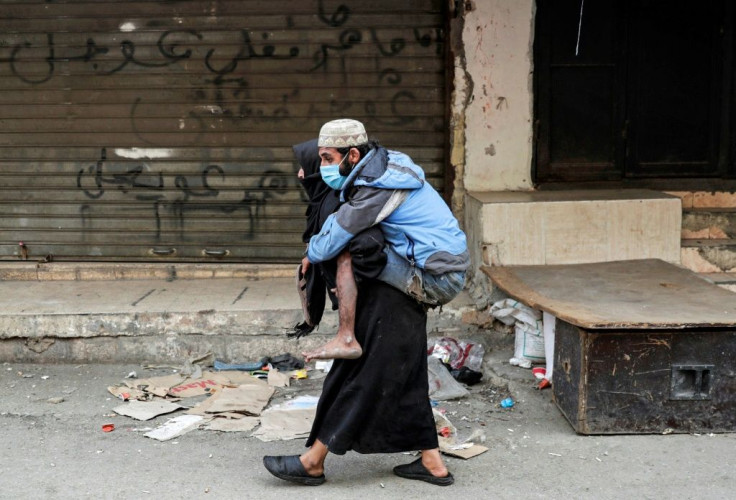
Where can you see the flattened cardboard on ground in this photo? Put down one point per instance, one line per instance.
(175, 427)
(237, 378)
(244, 379)
(249, 399)
(158, 386)
(126, 393)
(196, 387)
(290, 420)
(212, 382)
(203, 407)
(278, 379)
(146, 410)
(244, 424)
(472, 451)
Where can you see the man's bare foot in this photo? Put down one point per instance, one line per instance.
(312, 466)
(432, 461)
(336, 348)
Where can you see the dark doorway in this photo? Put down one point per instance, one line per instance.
(633, 91)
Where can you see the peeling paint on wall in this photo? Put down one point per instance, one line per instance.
(498, 37)
(460, 99)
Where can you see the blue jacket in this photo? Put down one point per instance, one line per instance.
(388, 189)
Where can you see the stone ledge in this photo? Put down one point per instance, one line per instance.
(154, 349)
(149, 346)
(143, 324)
(572, 227)
(115, 321)
(106, 271)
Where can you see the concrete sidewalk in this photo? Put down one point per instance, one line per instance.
(243, 315)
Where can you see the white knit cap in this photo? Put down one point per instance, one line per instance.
(342, 133)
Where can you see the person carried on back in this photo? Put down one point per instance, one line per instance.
(425, 250)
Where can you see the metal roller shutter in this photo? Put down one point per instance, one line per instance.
(140, 130)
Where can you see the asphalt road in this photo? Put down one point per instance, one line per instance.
(58, 450)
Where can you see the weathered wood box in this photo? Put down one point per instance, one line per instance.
(640, 346)
(642, 381)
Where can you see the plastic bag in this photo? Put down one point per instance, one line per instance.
(442, 385)
(458, 353)
(528, 327)
(528, 346)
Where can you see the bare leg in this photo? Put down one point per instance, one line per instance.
(313, 459)
(344, 345)
(432, 461)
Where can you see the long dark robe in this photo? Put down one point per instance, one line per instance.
(379, 403)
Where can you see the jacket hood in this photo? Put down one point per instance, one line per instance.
(385, 169)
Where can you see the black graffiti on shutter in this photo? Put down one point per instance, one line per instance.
(426, 40)
(224, 94)
(346, 40)
(124, 182)
(173, 51)
(370, 109)
(92, 50)
(396, 45)
(254, 202)
(224, 90)
(270, 185)
(247, 51)
(337, 19)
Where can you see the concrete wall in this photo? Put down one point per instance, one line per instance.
(493, 96)
(492, 112)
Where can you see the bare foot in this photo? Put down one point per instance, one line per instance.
(313, 467)
(434, 464)
(336, 348)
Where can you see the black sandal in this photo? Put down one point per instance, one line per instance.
(290, 468)
(417, 470)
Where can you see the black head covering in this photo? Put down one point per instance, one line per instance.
(307, 154)
(323, 200)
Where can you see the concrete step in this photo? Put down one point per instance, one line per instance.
(164, 320)
(724, 280)
(709, 223)
(709, 255)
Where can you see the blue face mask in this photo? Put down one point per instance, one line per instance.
(331, 175)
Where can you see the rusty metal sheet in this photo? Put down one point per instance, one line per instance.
(643, 294)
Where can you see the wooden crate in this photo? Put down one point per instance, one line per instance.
(640, 347)
(645, 381)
